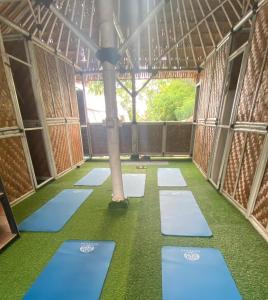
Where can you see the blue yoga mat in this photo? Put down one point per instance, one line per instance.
(74, 272)
(134, 185)
(55, 213)
(196, 274)
(95, 177)
(170, 177)
(181, 215)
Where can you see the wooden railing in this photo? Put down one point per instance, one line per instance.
(144, 138)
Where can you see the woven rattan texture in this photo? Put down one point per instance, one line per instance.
(44, 81)
(7, 115)
(54, 84)
(234, 159)
(71, 82)
(64, 88)
(260, 112)
(198, 146)
(13, 168)
(58, 136)
(261, 206)
(178, 138)
(206, 80)
(207, 146)
(255, 61)
(76, 146)
(218, 80)
(250, 160)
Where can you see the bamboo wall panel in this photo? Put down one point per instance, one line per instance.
(208, 139)
(64, 88)
(258, 46)
(150, 138)
(250, 160)
(206, 81)
(260, 112)
(71, 83)
(218, 80)
(260, 211)
(38, 153)
(7, 116)
(13, 168)
(59, 141)
(197, 155)
(178, 138)
(234, 159)
(76, 146)
(44, 81)
(54, 85)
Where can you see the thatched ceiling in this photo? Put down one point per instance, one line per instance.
(180, 36)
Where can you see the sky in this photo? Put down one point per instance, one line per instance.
(96, 107)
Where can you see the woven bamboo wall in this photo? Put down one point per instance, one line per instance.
(212, 82)
(44, 81)
(58, 135)
(206, 82)
(251, 156)
(198, 146)
(260, 211)
(218, 80)
(13, 168)
(57, 80)
(234, 159)
(246, 146)
(75, 139)
(7, 117)
(255, 63)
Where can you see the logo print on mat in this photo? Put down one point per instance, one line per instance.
(191, 255)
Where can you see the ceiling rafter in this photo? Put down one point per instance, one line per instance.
(180, 34)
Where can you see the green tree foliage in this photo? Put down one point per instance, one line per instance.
(170, 100)
(124, 98)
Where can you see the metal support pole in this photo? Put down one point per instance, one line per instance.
(106, 27)
(134, 127)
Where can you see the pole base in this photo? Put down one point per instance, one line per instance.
(118, 205)
(135, 157)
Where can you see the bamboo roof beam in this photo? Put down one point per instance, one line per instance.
(182, 32)
(143, 25)
(198, 30)
(206, 22)
(69, 32)
(62, 25)
(214, 19)
(80, 27)
(190, 37)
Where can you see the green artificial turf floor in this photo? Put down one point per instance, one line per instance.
(135, 271)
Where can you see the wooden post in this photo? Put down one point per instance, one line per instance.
(134, 127)
(106, 55)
